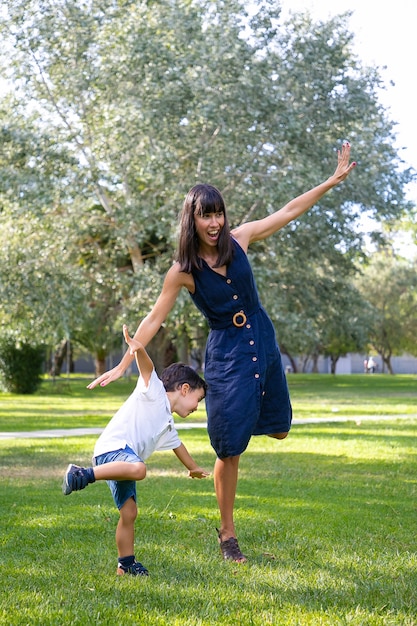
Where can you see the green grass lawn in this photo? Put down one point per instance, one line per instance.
(326, 517)
(67, 403)
(324, 395)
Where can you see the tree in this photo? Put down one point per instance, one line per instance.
(147, 98)
(346, 325)
(321, 313)
(389, 284)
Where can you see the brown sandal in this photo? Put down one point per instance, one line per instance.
(230, 549)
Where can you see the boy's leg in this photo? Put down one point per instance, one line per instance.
(120, 470)
(124, 496)
(133, 468)
(125, 531)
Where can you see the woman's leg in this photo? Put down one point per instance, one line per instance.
(225, 484)
(125, 531)
(278, 435)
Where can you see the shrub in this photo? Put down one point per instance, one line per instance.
(20, 365)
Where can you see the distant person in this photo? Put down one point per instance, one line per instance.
(247, 389)
(371, 365)
(142, 425)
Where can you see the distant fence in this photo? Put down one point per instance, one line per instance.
(350, 364)
(354, 364)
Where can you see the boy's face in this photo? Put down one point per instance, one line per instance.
(188, 400)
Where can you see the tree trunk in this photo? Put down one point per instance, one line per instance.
(387, 361)
(100, 364)
(305, 359)
(291, 358)
(59, 357)
(161, 350)
(183, 348)
(333, 363)
(135, 255)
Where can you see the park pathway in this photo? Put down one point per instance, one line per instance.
(79, 432)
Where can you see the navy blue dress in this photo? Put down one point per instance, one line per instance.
(247, 388)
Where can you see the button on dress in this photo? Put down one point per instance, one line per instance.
(247, 388)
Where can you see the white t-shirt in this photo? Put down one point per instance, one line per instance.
(144, 422)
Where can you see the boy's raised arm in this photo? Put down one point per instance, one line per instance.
(143, 360)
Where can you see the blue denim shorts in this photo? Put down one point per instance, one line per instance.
(121, 490)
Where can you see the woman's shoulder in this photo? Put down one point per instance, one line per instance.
(179, 278)
(241, 235)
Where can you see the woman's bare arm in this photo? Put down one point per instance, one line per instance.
(150, 324)
(261, 229)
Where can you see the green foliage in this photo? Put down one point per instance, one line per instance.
(318, 310)
(121, 107)
(389, 284)
(21, 365)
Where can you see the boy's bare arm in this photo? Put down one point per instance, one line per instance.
(143, 360)
(194, 471)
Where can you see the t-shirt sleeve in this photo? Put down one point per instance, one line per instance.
(153, 389)
(169, 440)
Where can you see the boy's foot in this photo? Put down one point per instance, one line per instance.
(76, 478)
(137, 569)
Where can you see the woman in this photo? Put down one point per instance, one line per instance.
(247, 390)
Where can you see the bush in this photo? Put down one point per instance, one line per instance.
(21, 365)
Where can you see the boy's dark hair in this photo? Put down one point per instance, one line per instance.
(177, 374)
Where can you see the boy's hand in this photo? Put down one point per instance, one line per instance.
(198, 472)
(133, 344)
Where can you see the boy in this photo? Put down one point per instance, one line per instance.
(143, 424)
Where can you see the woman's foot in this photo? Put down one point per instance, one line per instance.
(230, 549)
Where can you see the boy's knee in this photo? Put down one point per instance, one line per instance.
(139, 471)
(129, 511)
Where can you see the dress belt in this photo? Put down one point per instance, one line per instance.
(238, 319)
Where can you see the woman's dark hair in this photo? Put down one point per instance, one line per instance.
(202, 199)
(177, 374)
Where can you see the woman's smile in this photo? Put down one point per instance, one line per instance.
(209, 226)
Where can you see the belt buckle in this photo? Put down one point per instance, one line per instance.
(239, 315)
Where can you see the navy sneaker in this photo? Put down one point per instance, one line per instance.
(136, 569)
(76, 478)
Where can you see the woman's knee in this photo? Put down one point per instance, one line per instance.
(228, 461)
(278, 435)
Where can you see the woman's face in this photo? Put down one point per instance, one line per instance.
(208, 227)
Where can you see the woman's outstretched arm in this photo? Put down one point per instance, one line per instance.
(261, 229)
(150, 324)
